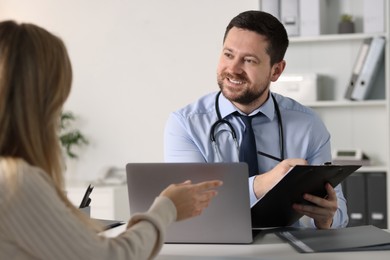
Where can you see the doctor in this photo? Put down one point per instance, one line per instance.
(286, 133)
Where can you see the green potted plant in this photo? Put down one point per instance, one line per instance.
(346, 24)
(70, 137)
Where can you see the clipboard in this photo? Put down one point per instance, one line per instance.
(274, 209)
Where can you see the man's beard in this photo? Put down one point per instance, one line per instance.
(245, 98)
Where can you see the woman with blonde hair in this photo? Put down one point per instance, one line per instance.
(37, 221)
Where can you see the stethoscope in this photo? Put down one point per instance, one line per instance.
(222, 121)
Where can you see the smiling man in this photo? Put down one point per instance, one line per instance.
(244, 121)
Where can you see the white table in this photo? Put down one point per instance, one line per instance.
(266, 246)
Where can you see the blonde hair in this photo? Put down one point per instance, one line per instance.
(35, 81)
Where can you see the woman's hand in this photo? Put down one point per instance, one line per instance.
(191, 199)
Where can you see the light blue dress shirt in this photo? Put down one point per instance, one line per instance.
(187, 138)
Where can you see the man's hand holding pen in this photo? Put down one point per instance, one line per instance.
(264, 182)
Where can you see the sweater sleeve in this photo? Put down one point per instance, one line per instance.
(35, 224)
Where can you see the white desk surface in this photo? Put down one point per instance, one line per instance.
(266, 246)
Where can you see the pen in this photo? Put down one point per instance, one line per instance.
(270, 156)
(88, 202)
(86, 199)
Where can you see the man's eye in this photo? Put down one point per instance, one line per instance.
(228, 55)
(249, 61)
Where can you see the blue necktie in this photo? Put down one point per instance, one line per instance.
(248, 151)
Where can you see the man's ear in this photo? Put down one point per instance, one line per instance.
(277, 70)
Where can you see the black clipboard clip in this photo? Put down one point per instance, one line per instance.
(86, 201)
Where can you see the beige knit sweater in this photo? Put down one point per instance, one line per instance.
(35, 224)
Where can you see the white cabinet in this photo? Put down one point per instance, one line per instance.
(353, 124)
(107, 202)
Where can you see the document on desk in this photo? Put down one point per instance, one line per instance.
(109, 224)
(274, 209)
(360, 238)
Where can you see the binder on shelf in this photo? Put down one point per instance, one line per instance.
(289, 16)
(373, 16)
(312, 17)
(272, 7)
(365, 193)
(358, 67)
(355, 194)
(365, 69)
(376, 199)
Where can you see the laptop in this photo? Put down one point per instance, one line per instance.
(227, 220)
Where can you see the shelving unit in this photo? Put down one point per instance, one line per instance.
(353, 124)
(335, 37)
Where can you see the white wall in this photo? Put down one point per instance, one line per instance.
(134, 62)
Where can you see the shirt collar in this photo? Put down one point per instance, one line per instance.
(226, 107)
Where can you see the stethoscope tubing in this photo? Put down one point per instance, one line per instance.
(222, 121)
